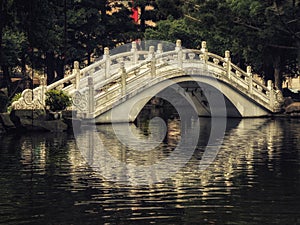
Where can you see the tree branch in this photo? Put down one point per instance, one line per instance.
(286, 23)
(192, 18)
(283, 47)
(237, 21)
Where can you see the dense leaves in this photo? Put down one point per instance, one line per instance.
(263, 34)
(48, 35)
(57, 100)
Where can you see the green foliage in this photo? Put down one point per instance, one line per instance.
(15, 98)
(52, 34)
(171, 30)
(12, 44)
(168, 8)
(3, 102)
(263, 34)
(57, 100)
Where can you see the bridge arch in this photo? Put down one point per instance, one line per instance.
(189, 86)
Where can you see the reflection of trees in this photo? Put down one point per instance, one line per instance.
(33, 169)
(255, 146)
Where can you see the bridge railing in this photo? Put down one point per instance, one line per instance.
(114, 76)
(35, 98)
(226, 71)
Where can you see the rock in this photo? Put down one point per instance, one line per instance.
(54, 125)
(36, 120)
(287, 101)
(2, 130)
(30, 114)
(293, 108)
(73, 123)
(17, 115)
(6, 122)
(44, 125)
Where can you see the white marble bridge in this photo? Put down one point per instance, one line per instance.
(126, 81)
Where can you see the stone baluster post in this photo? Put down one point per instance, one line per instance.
(76, 71)
(43, 86)
(135, 54)
(178, 46)
(178, 49)
(204, 51)
(152, 61)
(91, 99)
(159, 48)
(228, 63)
(272, 92)
(250, 79)
(106, 57)
(159, 51)
(123, 78)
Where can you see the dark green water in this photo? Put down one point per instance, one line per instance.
(255, 179)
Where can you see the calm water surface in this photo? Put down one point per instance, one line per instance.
(255, 179)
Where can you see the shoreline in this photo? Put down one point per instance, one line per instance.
(37, 121)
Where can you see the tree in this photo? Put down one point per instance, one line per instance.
(264, 34)
(42, 23)
(273, 28)
(170, 30)
(166, 8)
(11, 42)
(120, 28)
(85, 30)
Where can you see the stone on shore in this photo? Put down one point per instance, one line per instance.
(46, 125)
(293, 108)
(36, 120)
(6, 122)
(2, 130)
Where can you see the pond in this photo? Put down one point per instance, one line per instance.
(254, 178)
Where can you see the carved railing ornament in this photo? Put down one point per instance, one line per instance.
(80, 100)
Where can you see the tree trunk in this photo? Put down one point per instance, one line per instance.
(60, 68)
(89, 58)
(102, 5)
(23, 65)
(277, 72)
(2, 19)
(298, 54)
(143, 22)
(50, 67)
(7, 79)
(1, 29)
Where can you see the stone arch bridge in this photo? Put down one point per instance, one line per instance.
(126, 81)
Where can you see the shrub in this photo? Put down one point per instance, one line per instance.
(15, 98)
(57, 100)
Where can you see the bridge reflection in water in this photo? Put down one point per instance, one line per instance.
(254, 179)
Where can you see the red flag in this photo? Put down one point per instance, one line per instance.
(135, 13)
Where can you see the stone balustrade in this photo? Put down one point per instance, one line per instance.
(115, 78)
